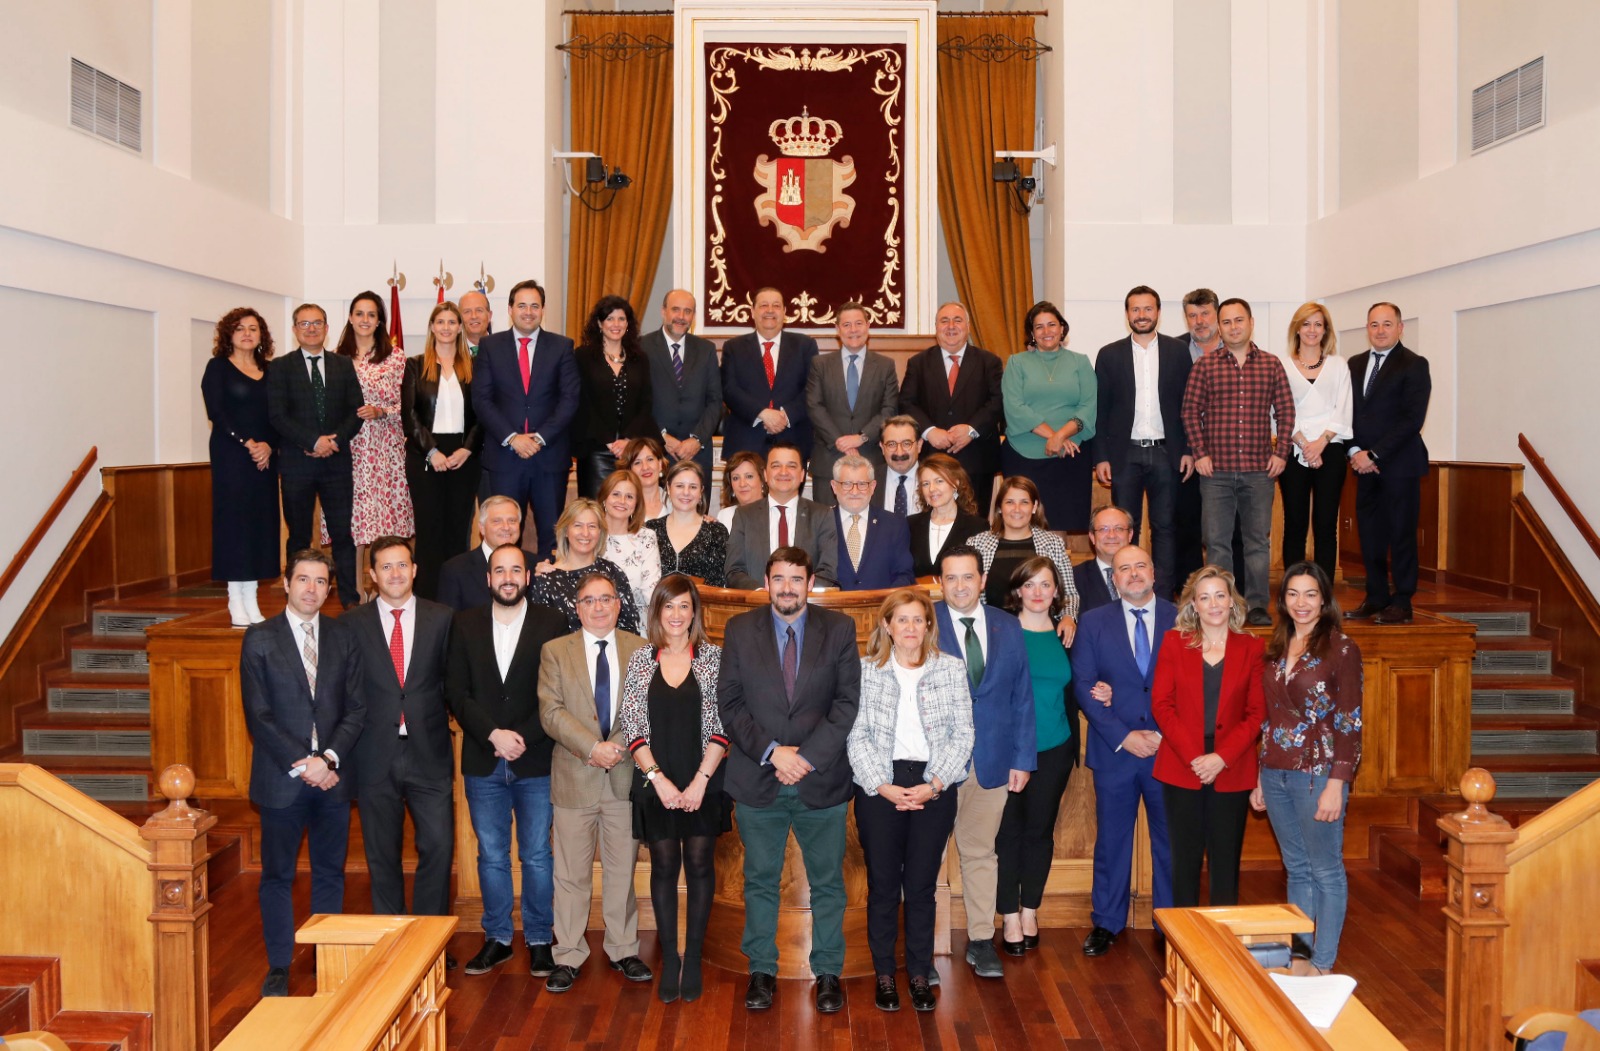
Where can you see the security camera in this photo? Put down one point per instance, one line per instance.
(617, 180)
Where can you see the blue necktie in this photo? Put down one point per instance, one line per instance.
(602, 690)
(900, 506)
(677, 364)
(1141, 642)
(852, 380)
(1372, 373)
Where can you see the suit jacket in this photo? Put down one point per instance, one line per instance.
(828, 405)
(745, 390)
(1101, 652)
(817, 721)
(419, 400)
(547, 407)
(601, 423)
(483, 702)
(884, 497)
(1389, 423)
(566, 708)
(279, 708)
(1091, 584)
(885, 555)
(695, 407)
(944, 708)
(750, 542)
(421, 699)
(292, 410)
(925, 562)
(1002, 705)
(464, 580)
(1179, 704)
(1116, 379)
(926, 397)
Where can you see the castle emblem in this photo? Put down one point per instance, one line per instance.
(805, 195)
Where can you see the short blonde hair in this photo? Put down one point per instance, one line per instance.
(569, 515)
(1330, 338)
(881, 644)
(1189, 621)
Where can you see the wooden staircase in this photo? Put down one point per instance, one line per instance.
(30, 1001)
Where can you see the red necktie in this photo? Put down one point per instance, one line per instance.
(397, 653)
(772, 371)
(522, 360)
(955, 370)
(783, 526)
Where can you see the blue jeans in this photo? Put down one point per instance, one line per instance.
(491, 801)
(1244, 497)
(1313, 856)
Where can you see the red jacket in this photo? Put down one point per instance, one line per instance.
(1178, 703)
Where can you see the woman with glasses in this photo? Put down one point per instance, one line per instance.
(1021, 532)
(1051, 396)
(580, 537)
(685, 540)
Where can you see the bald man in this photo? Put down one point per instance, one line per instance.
(952, 390)
(685, 382)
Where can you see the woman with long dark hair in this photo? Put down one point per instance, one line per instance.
(614, 390)
(442, 441)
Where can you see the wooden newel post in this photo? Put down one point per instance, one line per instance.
(1475, 918)
(182, 1017)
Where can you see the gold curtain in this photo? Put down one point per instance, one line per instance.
(622, 110)
(985, 106)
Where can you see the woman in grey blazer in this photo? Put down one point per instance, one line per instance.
(909, 748)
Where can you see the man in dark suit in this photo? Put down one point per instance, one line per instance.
(1117, 646)
(525, 391)
(312, 400)
(1110, 529)
(849, 396)
(897, 473)
(952, 390)
(685, 382)
(782, 518)
(1005, 749)
(463, 579)
(874, 545)
(1200, 316)
(788, 691)
(1390, 387)
(1139, 448)
(492, 686)
(300, 677)
(764, 382)
(403, 758)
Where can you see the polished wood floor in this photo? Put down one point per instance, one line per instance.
(1054, 998)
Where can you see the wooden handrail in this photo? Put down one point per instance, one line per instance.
(91, 814)
(1559, 491)
(25, 552)
(1547, 827)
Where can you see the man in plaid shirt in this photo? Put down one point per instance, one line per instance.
(1234, 394)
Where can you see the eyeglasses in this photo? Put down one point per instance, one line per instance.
(908, 445)
(310, 324)
(854, 487)
(1110, 530)
(598, 601)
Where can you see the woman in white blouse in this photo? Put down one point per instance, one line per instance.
(1314, 477)
(628, 543)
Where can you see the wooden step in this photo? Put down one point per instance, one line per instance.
(1523, 735)
(1512, 656)
(1491, 623)
(1515, 810)
(1494, 695)
(40, 978)
(91, 653)
(1539, 776)
(1415, 860)
(57, 734)
(122, 1030)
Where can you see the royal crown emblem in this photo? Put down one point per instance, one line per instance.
(804, 195)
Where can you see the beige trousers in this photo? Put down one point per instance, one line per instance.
(978, 812)
(575, 832)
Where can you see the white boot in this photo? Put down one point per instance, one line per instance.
(236, 611)
(247, 591)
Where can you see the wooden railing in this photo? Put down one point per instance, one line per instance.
(57, 505)
(1559, 491)
(1520, 912)
(129, 927)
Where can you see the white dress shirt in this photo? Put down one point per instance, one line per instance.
(408, 623)
(761, 350)
(790, 510)
(891, 482)
(506, 637)
(938, 533)
(322, 366)
(958, 630)
(591, 651)
(1147, 424)
(449, 410)
(862, 518)
(1131, 622)
(299, 633)
(910, 741)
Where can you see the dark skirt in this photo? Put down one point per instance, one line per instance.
(246, 524)
(1065, 485)
(674, 713)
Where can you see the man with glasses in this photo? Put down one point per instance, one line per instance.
(1110, 530)
(874, 544)
(897, 478)
(312, 400)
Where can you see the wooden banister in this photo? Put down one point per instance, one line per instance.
(177, 837)
(29, 545)
(1559, 491)
(79, 808)
(1475, 920)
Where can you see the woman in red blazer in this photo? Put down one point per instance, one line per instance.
(1209, 704)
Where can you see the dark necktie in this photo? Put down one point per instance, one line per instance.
(974, 654)
(677, 363)
(1141, 642)
(1372, 373)
(852, 380)
(783, 526)
(791, 662)
(901, 506)
(602, 691)
(319, 392)
(1111, 583)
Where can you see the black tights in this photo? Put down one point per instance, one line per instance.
(697, 857)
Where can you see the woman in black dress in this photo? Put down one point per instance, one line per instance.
(669, 713)
(688, 543)
(949, 514)
(613, 388)
(244, 476)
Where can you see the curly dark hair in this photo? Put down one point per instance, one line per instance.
(381, 347)
(603, 310)
(222, 342)
(1044, 306)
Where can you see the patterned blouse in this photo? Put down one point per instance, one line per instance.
(706, 556)
(635, 713)
(637, 555)
(1046, 543)
(1313, 719)
(558, 590)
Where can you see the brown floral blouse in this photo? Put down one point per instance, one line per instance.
(1313, 719)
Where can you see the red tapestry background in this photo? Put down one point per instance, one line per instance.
(811, 140)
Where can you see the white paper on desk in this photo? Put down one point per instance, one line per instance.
(1319, 998)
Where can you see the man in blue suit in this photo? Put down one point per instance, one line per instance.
(874, 544)
(1004, 752)
(525, 392)
(764, 382)
(1113, 667)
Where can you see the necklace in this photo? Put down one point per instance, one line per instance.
(1314, 366)
(1050, 376)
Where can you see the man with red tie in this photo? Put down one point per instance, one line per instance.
(525, 391)
(952, 391)
(764, 382)
(782, 518)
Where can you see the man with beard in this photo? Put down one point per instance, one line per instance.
(462, 578)
(952, 393)
(491, 686)
(897, 478)
(787, 767)
(1200, 315)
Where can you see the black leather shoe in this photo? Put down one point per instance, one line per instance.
(1393, 614)
(985, 962)
(829, 995)
(1366, 611)
(541, 960)
(492, 955)
(758, 994)
(1098, 942)
(277, 982)
(1258, 618)
(1011, 948)
(1030, 941)
(632, 968)
(561, 979)
(450, 962)
(888, 997)
(922, 995)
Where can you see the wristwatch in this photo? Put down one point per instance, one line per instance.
(331, 759)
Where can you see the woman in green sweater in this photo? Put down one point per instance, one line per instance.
(1050, 398)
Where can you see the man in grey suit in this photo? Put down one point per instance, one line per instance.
(782, 518)
(849, 397)
(685, 382)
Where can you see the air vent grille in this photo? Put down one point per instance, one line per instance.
(126, 623)
(1508, 105)
(86, 742)
(1522, 702)
(83, 699)
(105, 107)
(111, 660)
(1532, 742)
(1511, 662)
(1497, 624)
(111, 788)
(1512, 785)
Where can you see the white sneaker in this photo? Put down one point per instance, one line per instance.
(247, 591)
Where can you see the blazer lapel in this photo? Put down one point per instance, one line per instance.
(519, 656)
(289, 647)
(375, 622)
